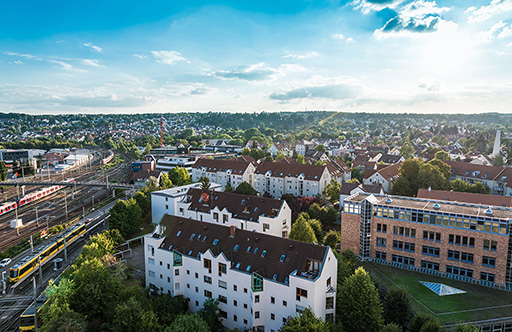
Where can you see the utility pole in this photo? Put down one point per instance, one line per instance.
(66, 204)
(47, 225)
(35, 301)
(17, 228)
(31, 245)
(93, 202)
(4, 285)
(65, 250)
(40, 272)
(37, 218)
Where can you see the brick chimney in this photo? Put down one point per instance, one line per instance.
(232, 231)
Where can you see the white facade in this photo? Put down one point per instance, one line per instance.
(165, 201)
(168, 163)
(376, 178)
(243, 306)
(297, 186)
(225, 176)
(77, 159)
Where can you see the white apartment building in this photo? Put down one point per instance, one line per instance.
(259, 214)
(223, 171)
(260, 280)
(167, 163)
(165, 201)
(278, 179)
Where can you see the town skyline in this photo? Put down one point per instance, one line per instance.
(356, 56)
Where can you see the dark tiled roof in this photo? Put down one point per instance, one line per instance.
(390, 172)
(372, 189)
(236, 165)
(444, 195)
(390, 159)
(311, 172)
(296, 254)
(243, 207)
(347, 187)
(337, 167)
(464, 169)
(145, 175)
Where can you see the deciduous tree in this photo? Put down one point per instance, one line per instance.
(304, 322)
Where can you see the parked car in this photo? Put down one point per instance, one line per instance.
(4, 262)
(88, 220)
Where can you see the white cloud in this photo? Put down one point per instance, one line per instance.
(429, 83)
(367, 6)
(140, 56)
(509, 44)
(256, 72)
(338, 36)
(486, 12)
(17, 62)
(90, 62)
(168, 57)
(306, 55)
(350, 40)
(94, 47)
(414, 19)
(499, 30)
(66, 66)
(27, 56)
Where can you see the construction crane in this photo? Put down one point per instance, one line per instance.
(161, 132)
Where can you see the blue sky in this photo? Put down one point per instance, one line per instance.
(245, 56)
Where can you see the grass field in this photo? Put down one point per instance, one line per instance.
(478, 303)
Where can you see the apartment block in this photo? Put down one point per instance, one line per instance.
(223, 171)
(260, 280)
(463, 241)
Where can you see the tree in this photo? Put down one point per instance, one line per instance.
(246, 189)
(431, 326)
(147, 150)
(165, 181)
(210, 314)
(498, 161)
(280, 155)
(304, 322)
(359, 305)
(442, 155)
(130, 316)
(465, 328)
(96, 290)
(443, 167)
(205, 183)
(407, 151)
(126, 216)
(391, 327)
(188, 323)
(357, 174)
(300, 159)
(302, 231)
(332, 238)
(167, 308)
(3, 171)
(397, 308)
(332, 191)
(418, 321)
(59, 299)
(228, 188)
(69, 321)
(179, 176)
(320, 147)
(143, 199)
(268, 159)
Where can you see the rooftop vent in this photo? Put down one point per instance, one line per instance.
(437, 206)
(488, 211)
(389, 200)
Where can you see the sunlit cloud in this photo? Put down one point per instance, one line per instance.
(486, 12)
(306, 55)
(94, 47)
(168, 57)
(367, 6)
(499, 30)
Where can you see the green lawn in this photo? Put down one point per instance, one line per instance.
(477, 304)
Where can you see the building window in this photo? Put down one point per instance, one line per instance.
(301, 293)
(430, 265)
(169, 279)
(235, 318)
(235, 303)
(223, 299)
(207, 279)
(245, 305)
(432, 236)
(490, 245)
(285, 304)
(207, 265)
(329, 302)
(466, 257)
(245, 290)
(382, 228)
(256, 299)
(168, 266)
(453, 255)
(197, 275)
(402, 260)
(207, 294)
(489, 261)
(222, 268)
(487, 276)
(272, 316)
(381, 242)
(177, 259)
(272, 300)
(177, 286)
(409, 246)
(380, 255)
(459, 271)
(216, 216)
(151, 274)
(430, 251)
(197, 289)
(234, 288)
(151, 261)
(223, 314)
(256, 314)
(398, 245)
(176, 272)
(223, 284)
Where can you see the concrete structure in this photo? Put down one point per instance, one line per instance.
(77, 159)
(277, 179)
(462, 241)
(260, 280)
(258, 214)
(385, 177)
(166, 201)
(183, 161)
(233, 171)
(497, 144)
